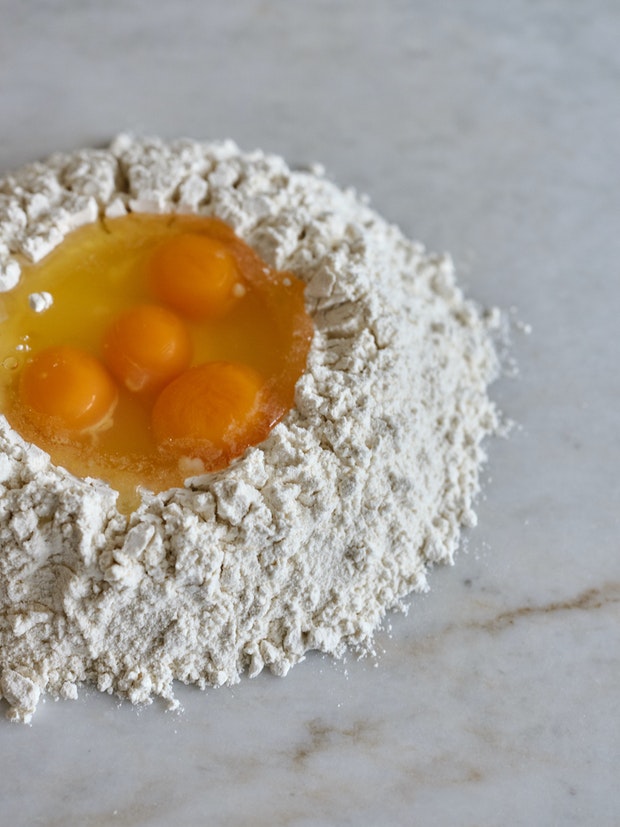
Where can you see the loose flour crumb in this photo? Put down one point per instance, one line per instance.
(307, 540)
(40, 302)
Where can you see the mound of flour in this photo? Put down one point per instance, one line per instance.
(307, 540)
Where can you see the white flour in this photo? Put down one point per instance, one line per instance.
(306, 541)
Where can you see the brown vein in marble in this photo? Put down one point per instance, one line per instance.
(595, 598)
(322, 737)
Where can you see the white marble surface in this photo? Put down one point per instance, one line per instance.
(488, 128)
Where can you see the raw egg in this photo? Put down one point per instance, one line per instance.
(212, 412)
(168, 346)
(67, 389)
(195, 274)
(146, 346)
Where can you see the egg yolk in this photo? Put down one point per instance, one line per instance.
(146, 346)
(168, 348)
(211, 412)
(195, 274)
(68, 389)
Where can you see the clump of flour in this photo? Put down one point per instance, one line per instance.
(307, 540)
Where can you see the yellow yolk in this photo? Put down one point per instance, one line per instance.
(68, 389)
(145, 347)
(185, 348)
(211, 412)
(195, 275)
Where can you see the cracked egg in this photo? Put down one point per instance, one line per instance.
(146, 349)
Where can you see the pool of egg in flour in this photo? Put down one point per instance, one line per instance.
(147, 349)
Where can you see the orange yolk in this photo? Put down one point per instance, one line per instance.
(196, 275)
(145, 347)
(68, 389)
(211, 412)
(170, 346)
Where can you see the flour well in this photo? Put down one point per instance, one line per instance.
(307, 540)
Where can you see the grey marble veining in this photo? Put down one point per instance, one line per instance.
(490, 129)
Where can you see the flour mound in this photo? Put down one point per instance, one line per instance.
(307, 540)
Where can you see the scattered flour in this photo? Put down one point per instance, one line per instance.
(307, 540)
(40, 302)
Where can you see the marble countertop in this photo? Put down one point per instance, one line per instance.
(489, 129)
